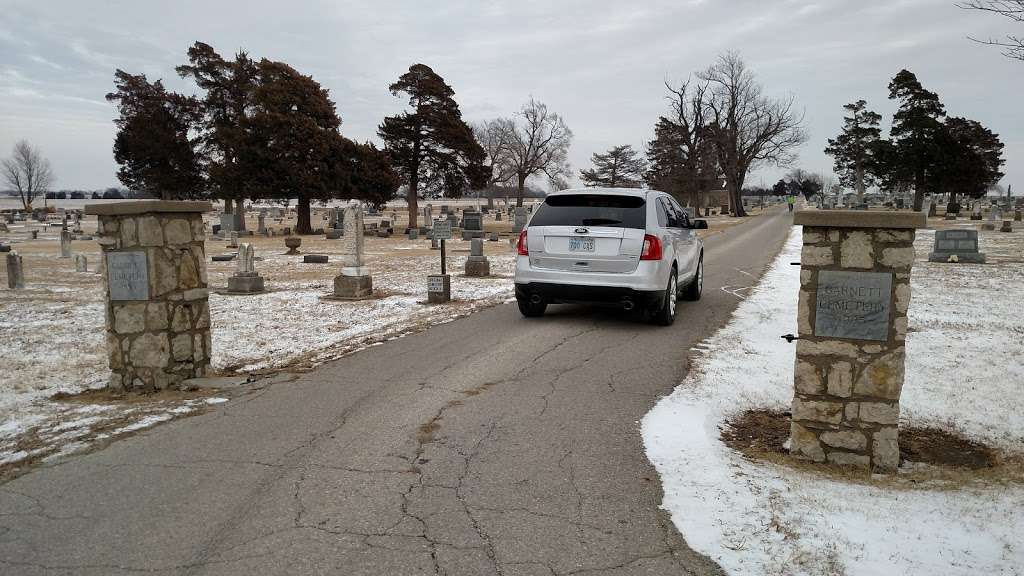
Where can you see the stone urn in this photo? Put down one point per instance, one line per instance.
(293, 243)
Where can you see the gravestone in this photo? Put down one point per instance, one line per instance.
(477, 264)
(493, 237)
(233, 239)
(956, 246)
(238, 218)
(158, 314)
(994, 215)
(315, 259)
(261, 222)
(497, 216)
(65, 243)
(1017, 215)
(976, 211)
(15, 271)
(852, 325)
(81, 264)
(333, 233)
(926, 205)
(246, 280)
(520, 220)
(227, 223)
(414, 234)
(472, 225)
(355, 281)
(1007, 226)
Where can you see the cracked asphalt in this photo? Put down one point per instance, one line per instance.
(492, 445)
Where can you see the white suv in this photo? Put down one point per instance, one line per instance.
(636, 248)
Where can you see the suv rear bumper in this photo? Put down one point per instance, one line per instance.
(562, 293)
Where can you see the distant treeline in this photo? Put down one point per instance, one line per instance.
(105, 194)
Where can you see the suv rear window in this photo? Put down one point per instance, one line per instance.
(592, 210)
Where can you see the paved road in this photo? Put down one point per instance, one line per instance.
(489, 445)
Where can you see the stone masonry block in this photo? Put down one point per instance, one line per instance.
(130, 318)
(882, 378)
(150, 231)
(816, 256)
(848, 439)
(817, 411)
(849, 459)
(890, 236)
(177, 231)
(156, 316)
(150, 350)
(840, 379)
(879, 413)
(898, 258)
(825, 348)
(885, 450)
(857, 251)
(808, 378)
(803, 443)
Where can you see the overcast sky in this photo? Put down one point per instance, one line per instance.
(600, 64)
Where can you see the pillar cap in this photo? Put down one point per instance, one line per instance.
(146, 206)
(860, 219)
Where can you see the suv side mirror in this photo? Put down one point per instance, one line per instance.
(700, 224)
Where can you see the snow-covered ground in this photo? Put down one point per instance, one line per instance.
(964, 372)
(52, 332)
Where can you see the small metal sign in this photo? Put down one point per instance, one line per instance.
(853, 305)
(443, 229)
(128, 275)
(435, 283)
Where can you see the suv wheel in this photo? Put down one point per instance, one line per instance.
(531, 309)
(666, 314)
(694, 289)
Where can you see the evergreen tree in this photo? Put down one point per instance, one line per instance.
(294, 147)
(153, 145)
(853, 148)
(431, 147)
(970, 159)
(229, 87)
(916, 133)
(620, 167)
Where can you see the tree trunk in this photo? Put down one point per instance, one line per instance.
(918, 191)
(240, 209)
(302, 216)
(735, 188)
(519, 193)
(411, 200)
(228, 206)
(860, 182)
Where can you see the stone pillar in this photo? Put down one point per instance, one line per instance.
(355, 280)
(477, 264)
(158, 314)
(852, 324)
(15, 272)
(65, 243)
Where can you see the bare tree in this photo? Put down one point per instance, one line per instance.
(682, 156)
(1013, 46)
(27, 172)
(749, 129)
(495, 136)
(539, 144)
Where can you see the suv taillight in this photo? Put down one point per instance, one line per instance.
(521, 245)
(652, 248)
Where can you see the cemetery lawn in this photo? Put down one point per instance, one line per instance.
(963, 375)
(52, 333)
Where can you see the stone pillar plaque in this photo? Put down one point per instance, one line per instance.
(128, 275)
(853, 305)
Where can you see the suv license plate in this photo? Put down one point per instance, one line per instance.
(581, 244)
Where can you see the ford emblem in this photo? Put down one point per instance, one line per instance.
(582, 230)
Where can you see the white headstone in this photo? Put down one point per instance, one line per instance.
(352, 242)
(81, 264)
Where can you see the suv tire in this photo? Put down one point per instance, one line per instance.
(665, 315)
(529, 309)
(694, 289)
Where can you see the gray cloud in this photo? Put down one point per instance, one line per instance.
(600, 64)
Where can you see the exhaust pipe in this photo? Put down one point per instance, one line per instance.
(627, 305)
(535, 299)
